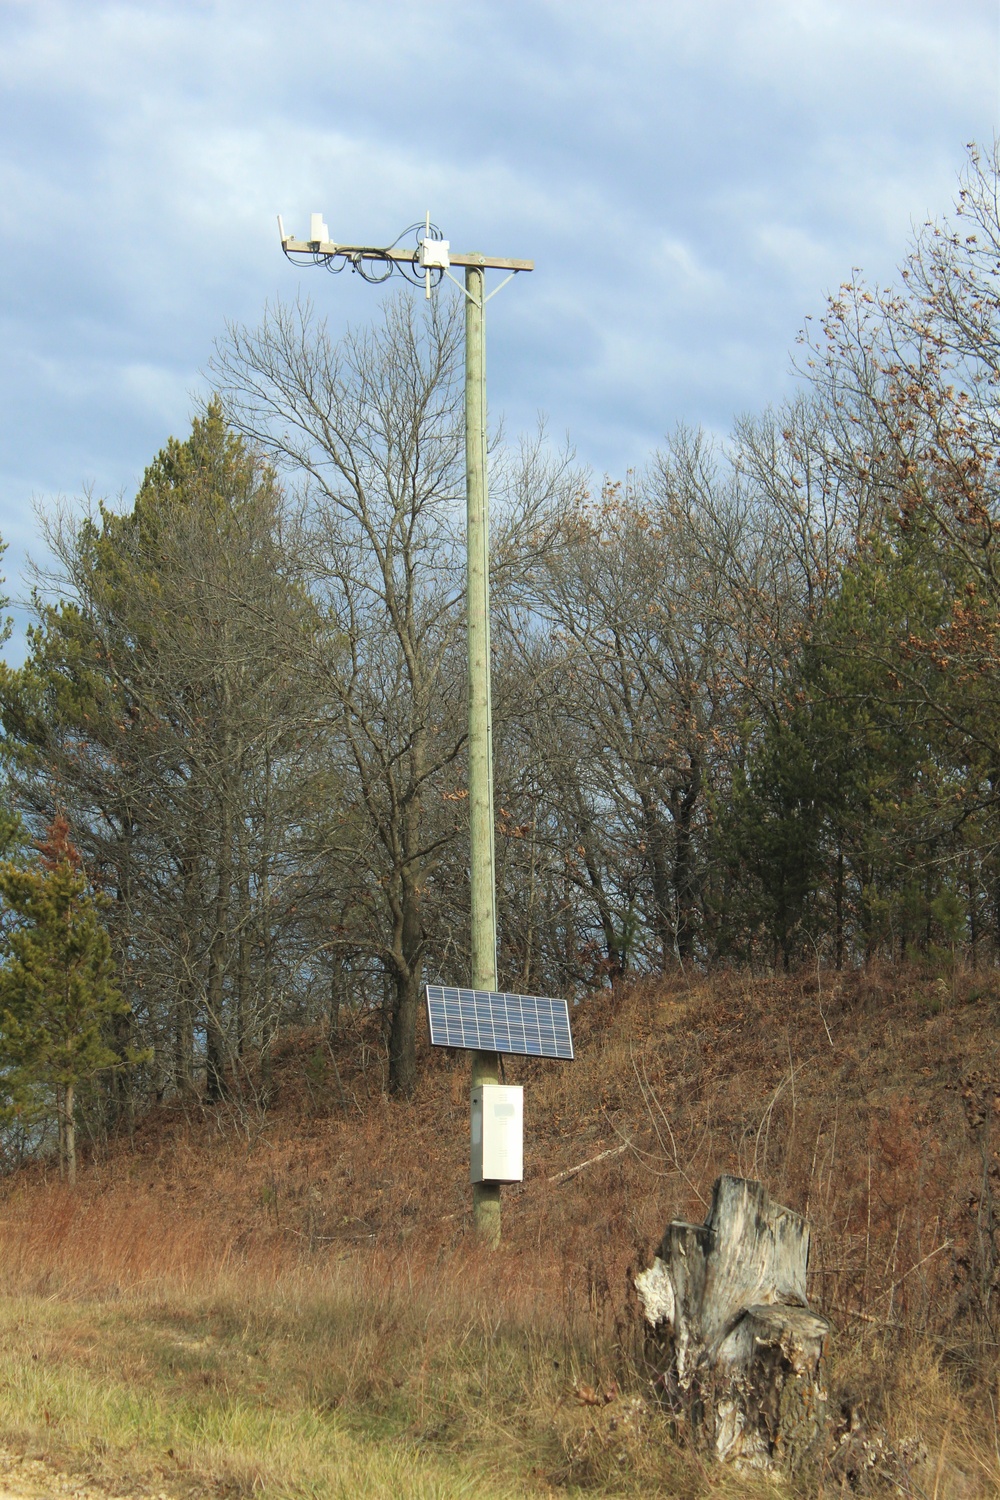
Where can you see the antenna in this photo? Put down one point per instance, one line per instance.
(427, 269)
(432, 252)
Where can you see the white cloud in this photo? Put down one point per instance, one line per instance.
(690, 179)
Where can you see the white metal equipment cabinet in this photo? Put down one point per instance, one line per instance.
(497, 1133)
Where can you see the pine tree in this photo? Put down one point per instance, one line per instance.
(57, 985)
(168, 706)
(857, 799)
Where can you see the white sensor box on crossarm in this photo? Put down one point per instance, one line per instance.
(434, 253)
(497, 1133)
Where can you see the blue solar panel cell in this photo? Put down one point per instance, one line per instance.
(495, 1021)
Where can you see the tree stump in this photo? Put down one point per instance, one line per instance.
(739, 1352)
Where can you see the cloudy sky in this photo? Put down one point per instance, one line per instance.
(690, 177)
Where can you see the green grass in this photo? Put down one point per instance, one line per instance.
(130, 1396)
(327, 1386)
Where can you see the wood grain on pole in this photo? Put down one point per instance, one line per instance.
(482, 875)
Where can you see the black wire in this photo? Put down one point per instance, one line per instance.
(357, 264)
(430, 230)
(413, 272)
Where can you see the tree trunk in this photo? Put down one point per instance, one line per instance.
(740, 1355)
(403, 1034)
(683, 802)
(615, 943)
(336, 991)
(215, 1057)
(68, 1134)
(61, 1128)
(186, 1008)
(218, 953)
(215, 1045)
(973, 907)
(120, 1091)
(408, 938)
(839, 934)
(659, 865)
(243, 1001)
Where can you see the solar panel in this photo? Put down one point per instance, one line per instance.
(491, 1021)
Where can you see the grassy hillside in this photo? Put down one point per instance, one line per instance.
(290, 1298)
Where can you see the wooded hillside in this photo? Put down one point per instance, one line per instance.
(745, 696)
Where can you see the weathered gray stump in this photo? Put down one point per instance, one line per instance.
(740, 1354)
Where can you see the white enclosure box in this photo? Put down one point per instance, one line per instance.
(497, 1133)
(434, 253)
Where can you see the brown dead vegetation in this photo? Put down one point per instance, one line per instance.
(869, 1101)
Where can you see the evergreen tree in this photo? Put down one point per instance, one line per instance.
(851, 812)
(57, 986)
(165, 704)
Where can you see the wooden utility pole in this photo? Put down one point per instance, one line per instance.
(432, 257)
(482, 864)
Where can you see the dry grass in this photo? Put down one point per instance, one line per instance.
(292, 1300)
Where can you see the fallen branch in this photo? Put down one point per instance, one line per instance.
(558, 1178)
(946, 1245)
(572, 1171)
(863, 1317)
